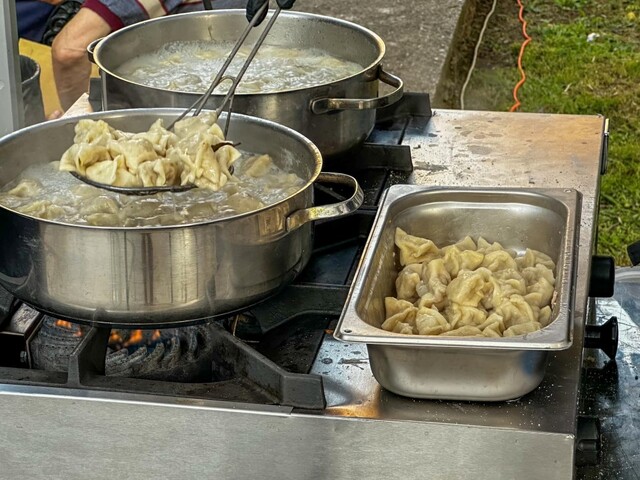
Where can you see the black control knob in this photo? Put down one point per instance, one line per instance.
(633, 251)
(603, 277)
(588, 444)
(604, 337)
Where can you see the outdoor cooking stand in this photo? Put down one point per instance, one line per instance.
(269, 393)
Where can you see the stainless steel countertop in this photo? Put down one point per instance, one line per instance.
(462, 148)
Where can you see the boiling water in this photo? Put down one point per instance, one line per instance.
(190, 66)
(47, 192)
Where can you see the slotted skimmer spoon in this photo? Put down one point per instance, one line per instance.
(199, 104)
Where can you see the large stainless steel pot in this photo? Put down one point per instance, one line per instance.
(335, 116)
(161, 275)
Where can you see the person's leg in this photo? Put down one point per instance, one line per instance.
(71, 67)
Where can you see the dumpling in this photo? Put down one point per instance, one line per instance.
(465, 331)
(466, 243)
(433, 286)
(511, 282)
(104, 220)
(431, 322)
(135, 152)
(226, 156)
(103, 172)
(398, 311)
(194, 126)
(407, 281)
(26, 188)
(456, 260)
(521, 329)
(159, 137)
(78, 158)
(544, 317)
(459, 315)
(499, 260)
(516, 310)
(93, 132)
(403, 328)
(531, 258)
(258, 166)
(99, 204)
(540, 292)
(414, 249)
(533, 274)
(493, 326)
(469, 288)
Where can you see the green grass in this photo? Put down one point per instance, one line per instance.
(567, 74)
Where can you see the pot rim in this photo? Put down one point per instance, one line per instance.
(105, 115)
(235, 12)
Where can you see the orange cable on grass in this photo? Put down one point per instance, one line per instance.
(523, 76)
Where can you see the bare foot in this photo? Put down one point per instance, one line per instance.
(56, 114)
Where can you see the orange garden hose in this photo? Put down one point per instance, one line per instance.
(523, 76)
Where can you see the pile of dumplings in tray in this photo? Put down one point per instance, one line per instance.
(469, 289)
(194, 153)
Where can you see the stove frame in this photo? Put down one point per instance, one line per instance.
(363, 430)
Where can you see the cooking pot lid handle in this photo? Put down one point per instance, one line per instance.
(325, 105)
(334, 210)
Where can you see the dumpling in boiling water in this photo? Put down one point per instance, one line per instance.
(26, 188)
(258, 166)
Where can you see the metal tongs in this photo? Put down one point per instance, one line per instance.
(199, 104)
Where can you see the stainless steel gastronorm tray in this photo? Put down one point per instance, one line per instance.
(463, 368)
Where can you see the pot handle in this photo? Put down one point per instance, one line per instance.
(325, 105)
(91, 47)
(334, 210)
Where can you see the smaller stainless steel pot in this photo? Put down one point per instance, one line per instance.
(148, 277)
(335, 116)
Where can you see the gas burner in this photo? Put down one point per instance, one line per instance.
(174, 354)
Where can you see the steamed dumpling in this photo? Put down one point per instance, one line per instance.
(407, 281)
(431, 322)
(471, 289)
(433, 286)
(414, 249)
